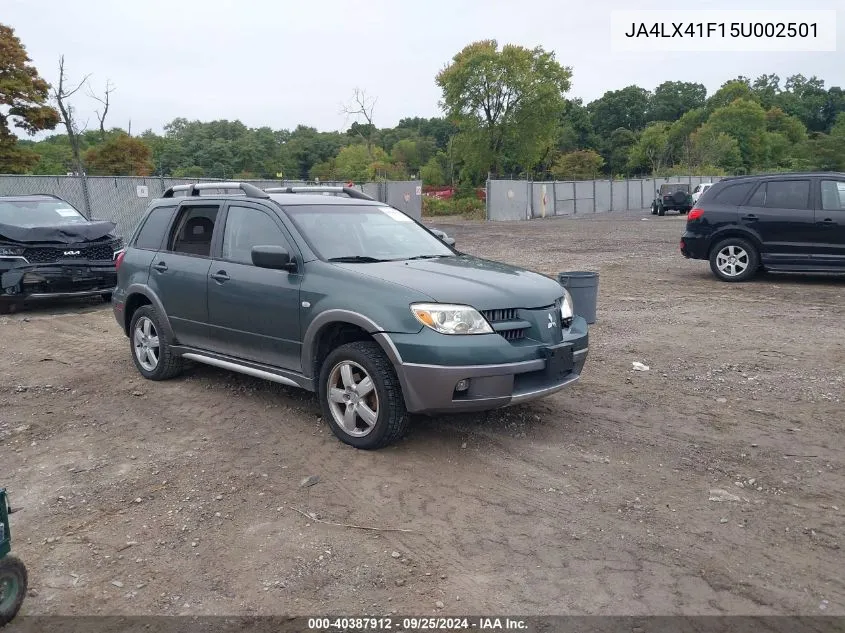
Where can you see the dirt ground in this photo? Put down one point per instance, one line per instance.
(185, 497)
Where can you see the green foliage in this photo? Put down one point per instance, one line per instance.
(710, 146)
(121, 155)
(672, 99)
(23, 103)
(469, 207)
(434, 171)
(651, 151)
(744, 120)
(507, 104)
(626, 108)
(578, 165)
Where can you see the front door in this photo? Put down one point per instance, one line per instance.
(781, 213)
(830, 223)
(179, 271)
(254, 312)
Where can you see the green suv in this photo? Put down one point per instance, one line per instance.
(326, 289)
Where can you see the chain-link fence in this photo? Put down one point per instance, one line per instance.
(123, 199)
(525, 199)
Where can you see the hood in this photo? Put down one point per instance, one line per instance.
(64, 233)
(481, 283)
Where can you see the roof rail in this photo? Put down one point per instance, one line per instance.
(349, 191)
(194, 189)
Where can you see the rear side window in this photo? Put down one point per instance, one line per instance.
(782, 194)
(193, 230)
(733, 195)
(152, 233)
(833, 195)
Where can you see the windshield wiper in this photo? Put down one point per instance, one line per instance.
(357, 259)
(428, 256)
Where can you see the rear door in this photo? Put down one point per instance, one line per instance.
(179, 271)
(830, 223)
(780, 212)
(254, 312)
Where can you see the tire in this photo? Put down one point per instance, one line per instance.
(106, 297)
(653, 209)
(352, 416)
(661, 210)
(167, 364)
(13, 587)
(745, 264)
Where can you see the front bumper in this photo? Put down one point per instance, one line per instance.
(430, 388)
(25, 282)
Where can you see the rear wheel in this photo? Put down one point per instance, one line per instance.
(734, 259)
(151, 350)
(661, 210)
(361, 397)
(13, 582)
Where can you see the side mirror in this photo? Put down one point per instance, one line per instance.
(443, 237)
(274, 257)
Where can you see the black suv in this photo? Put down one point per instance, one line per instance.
(790, 222)
(48, 249)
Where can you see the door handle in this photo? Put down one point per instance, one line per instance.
(749, 216)
(160, 267)
(220, 276)
(827, 221)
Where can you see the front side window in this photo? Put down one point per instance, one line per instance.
(193, 230)
(364, 233)
(833, 195)
(29, 214)
(247, 227)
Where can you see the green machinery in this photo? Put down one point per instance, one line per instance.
(12, 571)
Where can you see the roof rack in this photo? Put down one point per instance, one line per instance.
(349, 191)
(194, 189)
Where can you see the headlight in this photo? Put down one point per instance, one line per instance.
(451, 319)
(9, 251)
(566, 309)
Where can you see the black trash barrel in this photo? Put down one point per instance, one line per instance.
(583, 286)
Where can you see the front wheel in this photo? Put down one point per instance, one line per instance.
(13, 583)
(653, 209)
(734, 259)
(361, 397)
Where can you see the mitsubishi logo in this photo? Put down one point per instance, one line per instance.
(551, 323)
(71, 253)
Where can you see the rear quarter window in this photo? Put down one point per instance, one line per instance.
(151, 235)
(731, 195)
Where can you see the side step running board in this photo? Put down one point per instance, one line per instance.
(241, 369)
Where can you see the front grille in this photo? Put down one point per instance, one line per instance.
(497, 316)
(503, 315)
(48, 254)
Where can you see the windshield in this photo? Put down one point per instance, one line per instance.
(364, 233)
(38, 213)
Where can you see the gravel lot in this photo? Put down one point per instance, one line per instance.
(187, 497)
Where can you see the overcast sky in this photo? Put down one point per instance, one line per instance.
(284, 63)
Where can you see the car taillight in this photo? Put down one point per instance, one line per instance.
(695, 214)
(119, 260)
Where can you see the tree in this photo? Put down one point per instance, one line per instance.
(578, 165)
(104, 102)
(651, 151)
(363, 106)
(576, 129)
(672, 99)
(412, 153)
(62, 95)
(709, 146)
(356, 163)
(789, 126)
(507, 102)
(434, 172)
(618, 149)
(23, 103)
(766, 88)
(120, 156)
(745, 121)
(627, 108)
(729, 92)
(680, 141)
